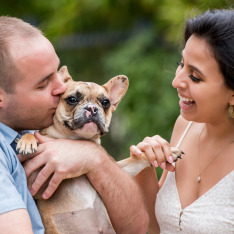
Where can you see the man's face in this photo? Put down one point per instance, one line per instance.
(36, 96)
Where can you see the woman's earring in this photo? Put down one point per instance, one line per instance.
(231, 111)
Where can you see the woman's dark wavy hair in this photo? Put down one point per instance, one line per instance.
(216, 27)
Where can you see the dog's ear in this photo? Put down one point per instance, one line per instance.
(64, 75)
(116, 88)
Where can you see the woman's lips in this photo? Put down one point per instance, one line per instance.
(185, 103)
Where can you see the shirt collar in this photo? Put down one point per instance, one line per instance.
(8, 133)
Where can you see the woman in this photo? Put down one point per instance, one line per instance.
(197, 196)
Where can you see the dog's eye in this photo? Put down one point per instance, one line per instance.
(71, 100)
(106, 103)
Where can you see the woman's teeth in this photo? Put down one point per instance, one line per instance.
(186, 101)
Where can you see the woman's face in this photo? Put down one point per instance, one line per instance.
(200, 84)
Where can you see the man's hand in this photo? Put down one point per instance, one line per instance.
(60, 159)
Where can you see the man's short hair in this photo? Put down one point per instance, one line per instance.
(12, 29)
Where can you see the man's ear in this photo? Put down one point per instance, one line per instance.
(116, 88)
(2, 98)
(64, 74)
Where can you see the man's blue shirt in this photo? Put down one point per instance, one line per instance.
(14, 193)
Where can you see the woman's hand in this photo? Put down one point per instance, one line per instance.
(157, 150)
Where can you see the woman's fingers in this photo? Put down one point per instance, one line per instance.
(157, 150)
(170, 167)
(165, 146)
(134, 151)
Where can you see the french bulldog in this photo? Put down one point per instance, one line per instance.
(84, 112)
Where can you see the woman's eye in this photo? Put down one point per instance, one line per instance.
(193, 78)
(71, 100)
(180, 64)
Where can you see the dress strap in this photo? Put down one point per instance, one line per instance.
(184, 133)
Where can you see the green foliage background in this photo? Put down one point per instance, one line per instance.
(98, 39)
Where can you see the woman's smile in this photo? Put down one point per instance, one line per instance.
(186, 103)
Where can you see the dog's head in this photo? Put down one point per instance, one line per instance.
(85, 109)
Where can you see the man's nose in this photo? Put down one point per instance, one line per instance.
(60, 88)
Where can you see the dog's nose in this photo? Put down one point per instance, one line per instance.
(91, 110)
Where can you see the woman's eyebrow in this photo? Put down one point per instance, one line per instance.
(196, 69)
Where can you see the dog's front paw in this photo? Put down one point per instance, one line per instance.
(176, 153)
(27, 144)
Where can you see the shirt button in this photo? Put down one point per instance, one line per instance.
(17, 139)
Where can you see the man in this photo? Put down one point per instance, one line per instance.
(29, 94)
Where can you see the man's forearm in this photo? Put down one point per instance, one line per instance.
(120, 195)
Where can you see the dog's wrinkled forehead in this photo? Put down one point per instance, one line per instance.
(86, 90)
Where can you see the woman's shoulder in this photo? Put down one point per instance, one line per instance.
(179, 128)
